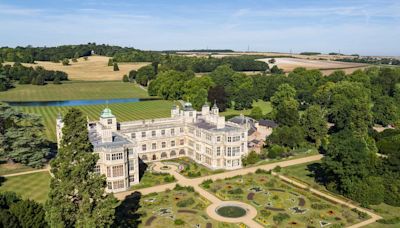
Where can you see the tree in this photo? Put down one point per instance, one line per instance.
(385, 111)
(125, 78)
(218, 95)
(286, 136)
(250, 159)
(276, 70)
(57, 80)
(132, 75)
(196, 91)
(16, 212)
(170, 84)
(77, 197)
(314, 124)
(256, 113)
(110, 62)
(145, 74)
(65, 62)
(74, 60)
(285, 106)
(22, 137)
(275, 151)
(115, 67)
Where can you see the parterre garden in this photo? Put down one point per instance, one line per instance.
(180, 207)
(151, 178)
(280, 204)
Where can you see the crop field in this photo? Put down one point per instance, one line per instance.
(94, 69)
(123, 112)
(33, 186)
(327, 67)
(73, 91)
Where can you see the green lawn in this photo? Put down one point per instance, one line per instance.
(33, 186)
(264, 105)
(150, 179)
(9, 168)
(273, 198)
(73, 91)
(123, 112)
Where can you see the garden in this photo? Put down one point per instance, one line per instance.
(280, 204)
(180, 207)
(151, 178)
(191, 169)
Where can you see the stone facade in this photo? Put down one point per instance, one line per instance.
(203, 136)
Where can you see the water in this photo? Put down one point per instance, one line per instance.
(77, 102)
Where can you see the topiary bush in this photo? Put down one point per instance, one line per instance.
(185, 203)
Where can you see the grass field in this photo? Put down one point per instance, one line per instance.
(33, 186)
(123, 112)
(264, 105)
(94, 69)
(73, 91)
(9, 168)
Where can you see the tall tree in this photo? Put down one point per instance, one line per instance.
(77, 197)
(285, 105)
(218, 95)
(314, 124)
(196, 90)
(385, 111)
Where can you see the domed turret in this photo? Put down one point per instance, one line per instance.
(215, 109)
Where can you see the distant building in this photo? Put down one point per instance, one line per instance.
(204, 136)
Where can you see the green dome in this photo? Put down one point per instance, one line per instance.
(106, 113)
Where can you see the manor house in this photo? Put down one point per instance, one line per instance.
(204, 136)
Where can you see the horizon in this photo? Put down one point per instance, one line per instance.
(349, 27)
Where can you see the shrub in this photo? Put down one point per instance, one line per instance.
(206, 183)
(169, 179)
(319, 206)
(235, 191)
(277, 169)
(265, 213)
(125, 78)
(394, 220)
(280, 217)
(186, 188)
(276, 151)
(185, 202)
(263, 171)
(361, 215)
(115, 67)
(65, 62)
(250, 159)
(74, 60)
(179, 222)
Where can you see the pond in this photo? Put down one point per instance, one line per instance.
(77, 102)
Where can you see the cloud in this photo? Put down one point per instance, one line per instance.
(18, 11)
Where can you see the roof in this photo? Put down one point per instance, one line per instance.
(268, 123)
(106, 113)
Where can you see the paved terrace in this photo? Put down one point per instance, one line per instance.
(251, 211)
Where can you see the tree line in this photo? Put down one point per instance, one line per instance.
(371, 60)
(28, 75)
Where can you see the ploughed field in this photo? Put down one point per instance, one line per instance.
(94, 69)
(123, 112)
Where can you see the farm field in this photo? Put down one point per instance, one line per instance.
(280, 204)
(180, 207)
(33, 186)
(74, 91)
(326, 67)
(123, 112)
(304, 174)
(94, 69)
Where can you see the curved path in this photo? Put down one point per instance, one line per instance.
(251, 211)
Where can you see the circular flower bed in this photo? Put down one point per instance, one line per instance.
(231, 211)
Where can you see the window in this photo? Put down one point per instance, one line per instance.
(108, 172)
(218, 138)
(235, 151)
(191, 130)
(191, 143)
(133, 135)
(153, 133)
(118, 170)
(190, 114)
(208, 151)
(181, 142)
(236, 138)
(143, 134)
(172, 143)
(198, 133)
(130, 152)
(208, 137)
(109, 121)
(109, 185)
(131, 165)
(242, 135)
(108, 157)
(132, 179)
(116, 156)
(97, 169)
(229, 139)
(229, 151)
(162, 132)
(118, 184)
(144, 147)
(172, 131)
(181, 129)
(154, 146)
(198, 147)
(218, 151)
(163, 144)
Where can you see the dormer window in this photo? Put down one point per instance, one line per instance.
(109, 121)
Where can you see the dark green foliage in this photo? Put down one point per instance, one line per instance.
(277, 169)
(179, 222)
(196, 91)
(256, 113)
(169, 179)
(74, 60)
(22, 137)
(184, 188)
(285, 136)
(206, 183)
(314, 124)
(125, 78)
(276, 70)
(235, 191)
(115, 67)
(185, 203)
(132, 75)
(218, 96)
(145, 74)
(15, 212)
(57, 80)
(169, 85)
(65, 62)
(250, 159)
(280, 217)
(76, 196)
(285, 106)
(385, 111)
(110, 62)
(361, 215)
(276, 151)
(320, 206)
(394, 220)
(5, 82)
